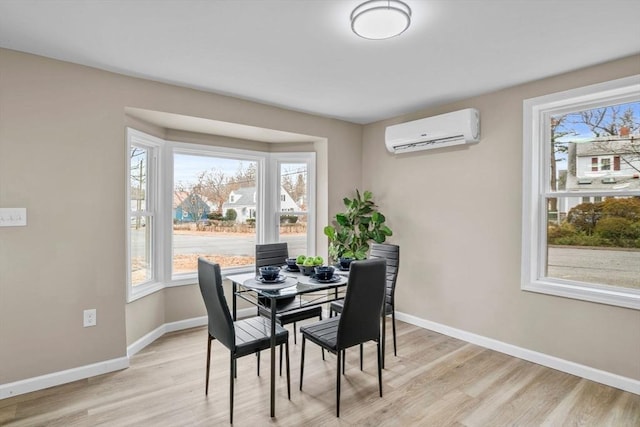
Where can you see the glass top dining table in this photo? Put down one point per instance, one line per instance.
(249, 287)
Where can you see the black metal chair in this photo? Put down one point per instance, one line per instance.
(359, 321)
(391, 253)
(241, 337)
(276, 254)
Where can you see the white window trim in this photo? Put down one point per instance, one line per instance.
(536, 113)
(154, 145)
(160, 178)
(309, 158)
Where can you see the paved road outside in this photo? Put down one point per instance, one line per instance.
(231, 244)
(604, 266)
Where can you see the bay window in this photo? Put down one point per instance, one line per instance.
(189, 200)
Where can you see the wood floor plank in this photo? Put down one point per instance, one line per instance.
(435, 381)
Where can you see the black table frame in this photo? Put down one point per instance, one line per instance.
(305, 286)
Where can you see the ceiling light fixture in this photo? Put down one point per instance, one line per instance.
(380, 19)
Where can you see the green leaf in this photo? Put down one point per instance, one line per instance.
(368, 195)
(346, 201)
(386, 230)
(330, 232)
(361, 253)
(342, 219)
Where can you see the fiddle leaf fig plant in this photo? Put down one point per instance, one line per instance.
(353, 230)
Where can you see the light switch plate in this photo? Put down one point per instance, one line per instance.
(13, 217)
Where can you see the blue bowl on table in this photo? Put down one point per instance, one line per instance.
(291, 263)
(269, 273)
(324, 272)
(345, 262)
(306, 269)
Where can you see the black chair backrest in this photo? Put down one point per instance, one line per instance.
(271, 254)
(365, 296)
(391, 253)
(220, 321)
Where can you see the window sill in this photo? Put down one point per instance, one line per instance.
(599, 294)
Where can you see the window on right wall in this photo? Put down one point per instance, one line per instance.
(581, 193)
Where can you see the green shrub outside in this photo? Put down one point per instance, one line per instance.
(611, 223)
(215, 216)
(288, 219)
(231, 215)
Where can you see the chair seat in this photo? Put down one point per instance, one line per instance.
(337, 307)
(323, 333)
(254, 334)
(292, 314)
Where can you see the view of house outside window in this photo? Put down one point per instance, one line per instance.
(294, 205)
(593, 197)
(213, 211)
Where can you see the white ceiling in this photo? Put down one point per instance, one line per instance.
(303, 56)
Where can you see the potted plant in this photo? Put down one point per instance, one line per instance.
(351, 232)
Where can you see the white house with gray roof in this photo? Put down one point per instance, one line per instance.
(602, 164)
(243, 201)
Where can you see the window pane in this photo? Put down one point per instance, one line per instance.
(138, 179)
(140, 250)
(595, 149)
(213, 211)
(594, 241)
(294, 198)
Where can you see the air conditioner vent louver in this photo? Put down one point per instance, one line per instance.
(456, 128)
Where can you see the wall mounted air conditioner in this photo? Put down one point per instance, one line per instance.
(456, 128)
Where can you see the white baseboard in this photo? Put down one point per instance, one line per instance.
(62, 377)
(176, 326)
(627, 384)
(82, 372)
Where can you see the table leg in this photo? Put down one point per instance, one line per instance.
(273, 357)
(234, 289)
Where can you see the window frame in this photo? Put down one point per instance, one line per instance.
(160, 180)
(536, 189)
(310, 159)
(154, 146)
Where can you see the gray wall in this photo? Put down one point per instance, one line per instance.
(63, 156)
(460, 233)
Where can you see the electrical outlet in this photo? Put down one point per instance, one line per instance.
(90, 317)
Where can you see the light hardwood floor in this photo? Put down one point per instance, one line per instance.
(435, 381)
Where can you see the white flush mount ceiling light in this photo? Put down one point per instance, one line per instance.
(380, 19)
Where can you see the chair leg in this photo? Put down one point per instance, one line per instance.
(294, 334)
(384, 333)
(393, 324)
(361, 353)
(231, 369)
(206, 383)
(340, 355)
(323, 354)
(379, 369)
(344, 358)
(302, 362)
(280, 359)
(286, 345)
(258, 362)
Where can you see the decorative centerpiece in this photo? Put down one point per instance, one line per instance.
(351, 232)
(306, 264)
